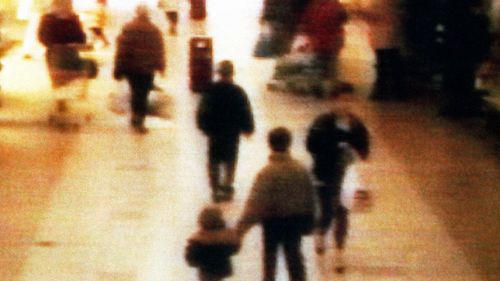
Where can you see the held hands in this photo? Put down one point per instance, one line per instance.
(118, 75)
(248, 135)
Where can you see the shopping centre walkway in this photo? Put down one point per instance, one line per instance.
(105, 204)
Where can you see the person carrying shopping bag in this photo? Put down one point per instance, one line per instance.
(140, 52)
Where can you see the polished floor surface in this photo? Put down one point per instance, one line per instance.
(105, 204)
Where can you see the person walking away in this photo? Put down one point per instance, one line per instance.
(210, 248)
(323, 24)
(61, 32)
(224, 113)
(171, 10)
(282, 201)
(384, 20)
(99, 21)
(330, 139)
(140, 53)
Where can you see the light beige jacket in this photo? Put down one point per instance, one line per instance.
(281, 189)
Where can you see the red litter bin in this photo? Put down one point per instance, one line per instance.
(198, 9)
(200, 63)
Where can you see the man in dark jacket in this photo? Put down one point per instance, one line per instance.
(211, 247)
(140, 52)
(223, 114)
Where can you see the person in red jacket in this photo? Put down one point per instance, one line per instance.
(323, 24)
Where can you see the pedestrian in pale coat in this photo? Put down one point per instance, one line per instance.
(282, 200)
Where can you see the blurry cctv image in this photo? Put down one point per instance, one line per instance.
(238, 140)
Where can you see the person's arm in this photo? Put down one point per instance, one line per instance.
(203, 114)
(76, 35)
(358, 137)
(253, 207)
(158, 43)
(118, 61)
(44, 30)
(248, 125)
(193, 254)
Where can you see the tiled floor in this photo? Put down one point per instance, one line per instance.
(104, 204)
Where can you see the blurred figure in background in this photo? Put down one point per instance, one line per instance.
(210, 248)
(465, 43)
(311, 62)
(224, 113)
(140, 52)
(331, 139)
(282, 200)
(171, 10)
(99, 22)
(280, 18)
(384, 20)
(323, 24)
(61, 32)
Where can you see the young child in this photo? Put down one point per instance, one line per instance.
(210, 248)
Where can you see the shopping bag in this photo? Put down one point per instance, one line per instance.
(355, 196)
(160, 104)
(119, 100)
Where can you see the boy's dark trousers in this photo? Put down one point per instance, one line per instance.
(332, 209)
(222, 150)
(282, 231)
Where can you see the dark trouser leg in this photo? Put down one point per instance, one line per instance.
(140, 84)
(213, 174)
(230, 156)
(325, 195)
(294, 257)
(230, 167)
(341, 226)
(214, 161)
(326, 208)
(271, 240)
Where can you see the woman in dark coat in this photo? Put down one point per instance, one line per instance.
(61, 32)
